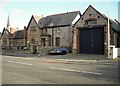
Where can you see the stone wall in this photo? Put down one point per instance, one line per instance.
(33, 33)
(65, 34)
(91, 13)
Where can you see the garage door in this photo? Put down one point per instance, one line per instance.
(92, 41)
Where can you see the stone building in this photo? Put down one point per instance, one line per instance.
(91, 33)
(5, 39)
(6, 35)
(33, 34)
(19, 39)
(51, 31)
(59, 27)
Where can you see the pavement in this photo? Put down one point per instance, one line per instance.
(67, 59)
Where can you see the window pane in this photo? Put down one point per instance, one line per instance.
(90, 22)
(57, 41)
(43, 42)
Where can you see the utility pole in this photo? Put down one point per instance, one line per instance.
(108, 32)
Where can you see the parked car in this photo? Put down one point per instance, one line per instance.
(3, 47)
(69, 49)
(57, 51)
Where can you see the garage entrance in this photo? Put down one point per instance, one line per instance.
(92, 40)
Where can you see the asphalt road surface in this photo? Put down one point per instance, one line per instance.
(20, 70)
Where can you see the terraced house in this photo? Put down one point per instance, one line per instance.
(86, 33)
(19, 39)
(51, 31)
(11, 38)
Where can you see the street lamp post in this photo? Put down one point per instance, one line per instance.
(108, 33)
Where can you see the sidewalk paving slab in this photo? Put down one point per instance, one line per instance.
(68, 58)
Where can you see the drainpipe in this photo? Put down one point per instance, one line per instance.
(69, 36)
(52, 37)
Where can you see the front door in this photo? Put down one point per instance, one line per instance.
(34, 49)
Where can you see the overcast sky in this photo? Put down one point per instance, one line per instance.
(21, 12)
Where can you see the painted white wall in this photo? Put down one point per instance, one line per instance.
(76, 19)
(116, 52)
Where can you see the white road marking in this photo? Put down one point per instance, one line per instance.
(71, 70)
(18, 57)
(10, 61)
(53, 67)
(20, 63)
(23, 63)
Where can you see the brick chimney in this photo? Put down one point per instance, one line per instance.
(25, 32)
(12, 30)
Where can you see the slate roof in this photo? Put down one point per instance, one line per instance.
(63, 19)
(19, 34)
(115, 24)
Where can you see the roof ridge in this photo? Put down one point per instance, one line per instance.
(62, 13)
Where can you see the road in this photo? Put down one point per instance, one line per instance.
(25, 70)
